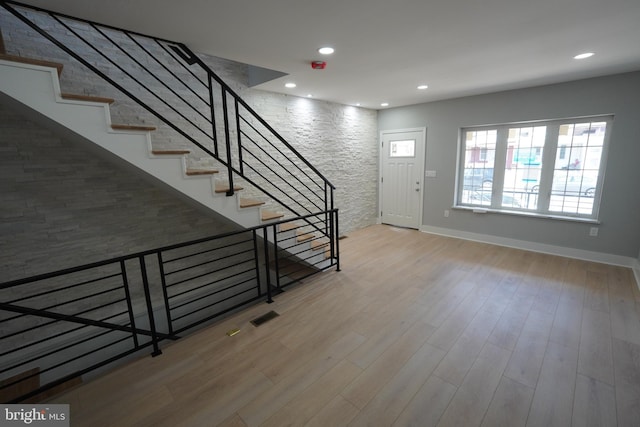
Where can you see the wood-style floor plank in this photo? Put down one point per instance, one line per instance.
(626, 357)
(474, 396)
(528, 354)
(594, 404)
(428, 404)
(372, 379)
(385, 407)
(416, 330)
(596, 358)
(553, 399)
(510, 405)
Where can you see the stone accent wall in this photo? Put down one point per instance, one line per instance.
(61, 205)
(342, 143)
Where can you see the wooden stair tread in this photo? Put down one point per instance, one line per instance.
(90, 98)
(303, 236)
(170, 152)
(267, 215)
(250, 203)
(132, 127)
(319, 244)
(23, 60)
(288, 226)
(224, 187)
(197, 172)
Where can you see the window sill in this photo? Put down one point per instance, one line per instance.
(487, 210)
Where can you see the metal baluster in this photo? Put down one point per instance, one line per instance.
(227, 141)
(337, 242)
(266, 264)
(257, 260)
(147, 297)
(132, 321)
(165, 295)
(275, 252)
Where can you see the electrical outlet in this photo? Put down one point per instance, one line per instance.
(593, 231)
(446, 213)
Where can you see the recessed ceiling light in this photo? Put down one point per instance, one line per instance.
(584, 55)
(384, 104)
(290, 85)
(326, 50)
(422, 87)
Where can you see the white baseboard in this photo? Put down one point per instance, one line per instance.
(619, 260)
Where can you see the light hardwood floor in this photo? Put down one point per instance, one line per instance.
(417, 330)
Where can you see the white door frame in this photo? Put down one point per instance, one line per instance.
(423, 131)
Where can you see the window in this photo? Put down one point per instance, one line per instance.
(405, 148)
(552, 168)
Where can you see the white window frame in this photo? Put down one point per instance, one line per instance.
(550, 153)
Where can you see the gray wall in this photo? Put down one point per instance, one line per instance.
(619, 232)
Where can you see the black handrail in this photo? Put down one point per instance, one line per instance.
(236, 113)
(213, 276)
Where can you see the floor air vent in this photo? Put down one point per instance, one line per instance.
(264, 318)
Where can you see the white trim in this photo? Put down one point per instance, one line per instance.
(636, 272)
(532, 214)
(423, 130)
(547, 171)
(539, 247)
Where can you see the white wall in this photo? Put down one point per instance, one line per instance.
(341, 141)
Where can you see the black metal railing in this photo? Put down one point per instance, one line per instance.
(192, 103)
(59, 326)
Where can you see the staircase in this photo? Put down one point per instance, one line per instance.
(214, 148)
(161, 111)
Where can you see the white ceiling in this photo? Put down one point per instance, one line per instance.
(385, 49)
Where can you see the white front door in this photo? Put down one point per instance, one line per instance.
(402, 173)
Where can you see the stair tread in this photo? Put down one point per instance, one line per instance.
(288, 226)
(249, 203)
(32, 61)
(267, 215)
(319, 244)
(160, 152)
(196, 171)
(224, 187)
(303, 236)
(91, 98)
(132, 127)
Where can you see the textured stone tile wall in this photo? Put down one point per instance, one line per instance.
(340, 141)
(62, 206)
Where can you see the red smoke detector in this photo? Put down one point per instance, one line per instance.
(318, 65)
